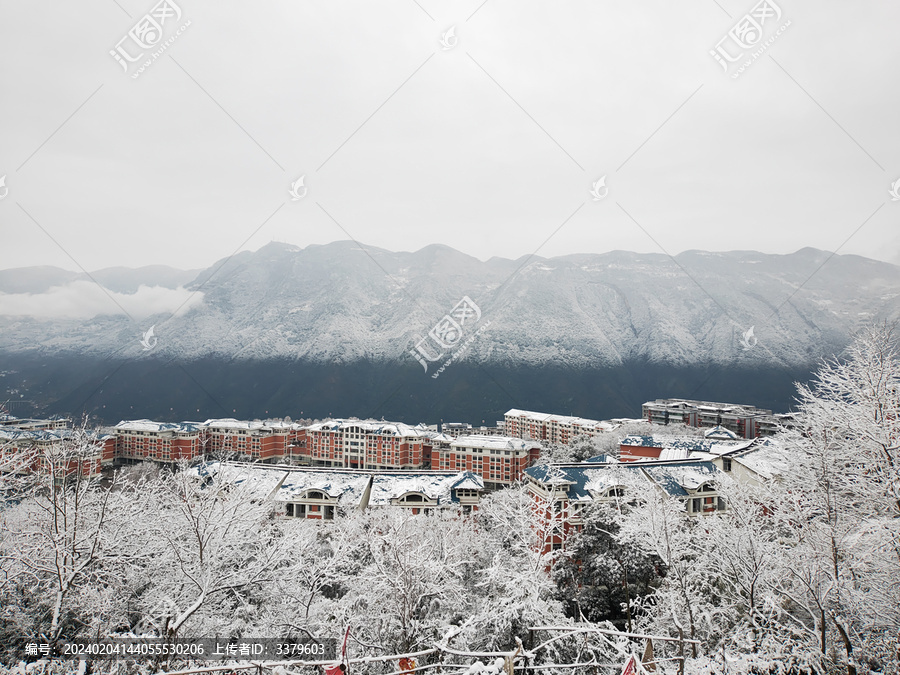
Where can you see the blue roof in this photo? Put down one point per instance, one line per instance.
(675, 478)
(576, 476)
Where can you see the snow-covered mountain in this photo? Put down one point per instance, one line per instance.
(342, 303)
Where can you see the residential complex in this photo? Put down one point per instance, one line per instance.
(53, 450)
(174, 441)
(562, 492)
(549, 428)
(322, 494)
(715, 441)
(365, 444)
(744, 420)
(499, 460)
(379, 446)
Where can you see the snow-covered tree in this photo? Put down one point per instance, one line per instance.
(601, 579)
(213, 545)
(66, 547)
(843, 500)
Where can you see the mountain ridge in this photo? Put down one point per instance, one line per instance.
(342, 302)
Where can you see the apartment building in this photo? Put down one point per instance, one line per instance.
(158, 441)
(499, 460)
(365, 444)
(264, 441)
(549, 428)
(55, 450)
(744, 420)
(561, 492)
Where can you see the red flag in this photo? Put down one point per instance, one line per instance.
(629, 668)
(339, 669)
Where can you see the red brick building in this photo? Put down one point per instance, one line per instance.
(548, 428)
(499, 460)
(365, 444)
(55, 450)
(157, 441)
(257, 440)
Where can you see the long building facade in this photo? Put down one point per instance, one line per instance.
(549, 428)
(365, 444)
(746, 421)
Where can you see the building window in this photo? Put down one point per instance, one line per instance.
(290, 510)
(726, 464)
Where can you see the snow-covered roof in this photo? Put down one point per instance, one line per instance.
(585, 481)
(767, 459)
(289, 483)
(677, 479)
(721, 433)
(688, 444)
(373, 427)
(436, 486)
(46, 435)
(560, 419)
(582, 482)
(674, 453)
(707, 406)
(494, 443)
(245, 425)
(155, 427)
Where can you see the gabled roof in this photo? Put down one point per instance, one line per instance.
(586, 480)
(581, 482)
(677, 479)
(767, 459)
(289, 483)
(721, 433)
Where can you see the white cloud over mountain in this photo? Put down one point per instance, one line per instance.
(86, 300)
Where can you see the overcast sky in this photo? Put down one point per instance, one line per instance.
(489, 142)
